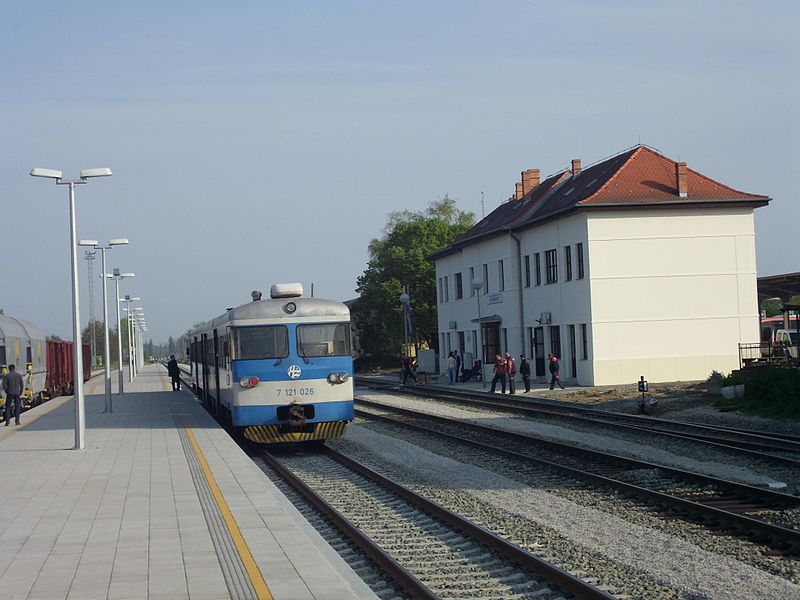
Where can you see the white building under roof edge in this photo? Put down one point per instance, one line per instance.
(634, 266)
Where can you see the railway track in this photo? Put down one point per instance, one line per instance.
(429, 550)
(723, 506)
(775, 448)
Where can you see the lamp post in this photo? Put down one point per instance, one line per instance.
(106, 338)
(405, 299)
(131, 333)
(477, 285)
(77, 363)
(117, 276)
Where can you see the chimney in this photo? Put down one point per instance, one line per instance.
(576, 166)
(518, 193)
(530, 179)
(681, 179)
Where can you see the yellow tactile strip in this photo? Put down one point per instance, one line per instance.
(242, 575)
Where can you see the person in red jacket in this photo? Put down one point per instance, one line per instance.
(499, 373)
(511, 368)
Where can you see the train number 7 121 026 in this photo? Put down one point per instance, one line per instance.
(291, 392)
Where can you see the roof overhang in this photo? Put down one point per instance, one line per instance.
(778, 286)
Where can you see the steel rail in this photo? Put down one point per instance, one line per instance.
(529, 407)
(768, 533)
(402, 576)
(526, 560)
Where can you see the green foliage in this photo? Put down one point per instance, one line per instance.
(398, 261)
(733, 379)
(772, 306)
(773, 393)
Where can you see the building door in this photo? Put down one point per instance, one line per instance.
(538, 350)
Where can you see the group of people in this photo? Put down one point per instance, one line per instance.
(505, 370)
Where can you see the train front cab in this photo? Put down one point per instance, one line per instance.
(292, 382)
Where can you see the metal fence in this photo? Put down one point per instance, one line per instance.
(767, 354)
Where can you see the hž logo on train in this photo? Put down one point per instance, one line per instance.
(293, 372)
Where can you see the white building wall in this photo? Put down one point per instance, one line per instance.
(673, 293)
(493, 301)
(567, 302)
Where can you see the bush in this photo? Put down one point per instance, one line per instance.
(774, 393)
(735, 378)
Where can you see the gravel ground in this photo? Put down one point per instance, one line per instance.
(678, 401)
(557, 433)
(672, 562)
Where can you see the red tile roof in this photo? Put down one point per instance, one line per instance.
(635, 178)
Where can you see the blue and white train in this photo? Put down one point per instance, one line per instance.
(282, 368)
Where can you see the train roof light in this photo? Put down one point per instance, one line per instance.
(286, 290)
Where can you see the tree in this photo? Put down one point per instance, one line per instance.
(398, 262)
(772, 307)
(96, 328)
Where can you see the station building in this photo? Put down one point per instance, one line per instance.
(634, 266)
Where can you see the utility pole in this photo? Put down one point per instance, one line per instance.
(89, 256)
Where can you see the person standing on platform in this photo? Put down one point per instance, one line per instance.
(511, 368)
(174, 373)
(13, 386)
(554, 368)
(408, 363)
(499, 373)
(451, 368)
(525, 372)
(459, 364)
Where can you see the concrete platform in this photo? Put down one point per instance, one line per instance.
(160, 504)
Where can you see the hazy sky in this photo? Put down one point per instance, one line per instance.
(260, 142)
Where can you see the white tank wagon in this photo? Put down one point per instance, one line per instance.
(23, 345)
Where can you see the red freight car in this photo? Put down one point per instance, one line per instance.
(59, 367)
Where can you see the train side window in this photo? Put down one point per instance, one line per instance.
(324, 339)
(264, 341)
(2, 355)
(29, 355)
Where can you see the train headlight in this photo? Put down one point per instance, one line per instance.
(335, 378)
(291, 307)
(248, 382)
(343, 377)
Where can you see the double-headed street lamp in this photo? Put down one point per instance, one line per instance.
(77, 363)
(106, 340)
(117, 276)
(130, 322)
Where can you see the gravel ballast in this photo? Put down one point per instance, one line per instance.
(671, 561)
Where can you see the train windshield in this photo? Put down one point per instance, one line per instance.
(267, 341)
(324, 339)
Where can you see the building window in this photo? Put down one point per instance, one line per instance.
(579, 252)
(459, 287)
(441, 291)
(550, 265)
(555, 341)
(485, 279)
(584, 342)
(471, 277)
(568, 262)
(527, 270)
(446, 290)
(538, 268)
(501, 276)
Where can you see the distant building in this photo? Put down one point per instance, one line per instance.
(636, 265)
